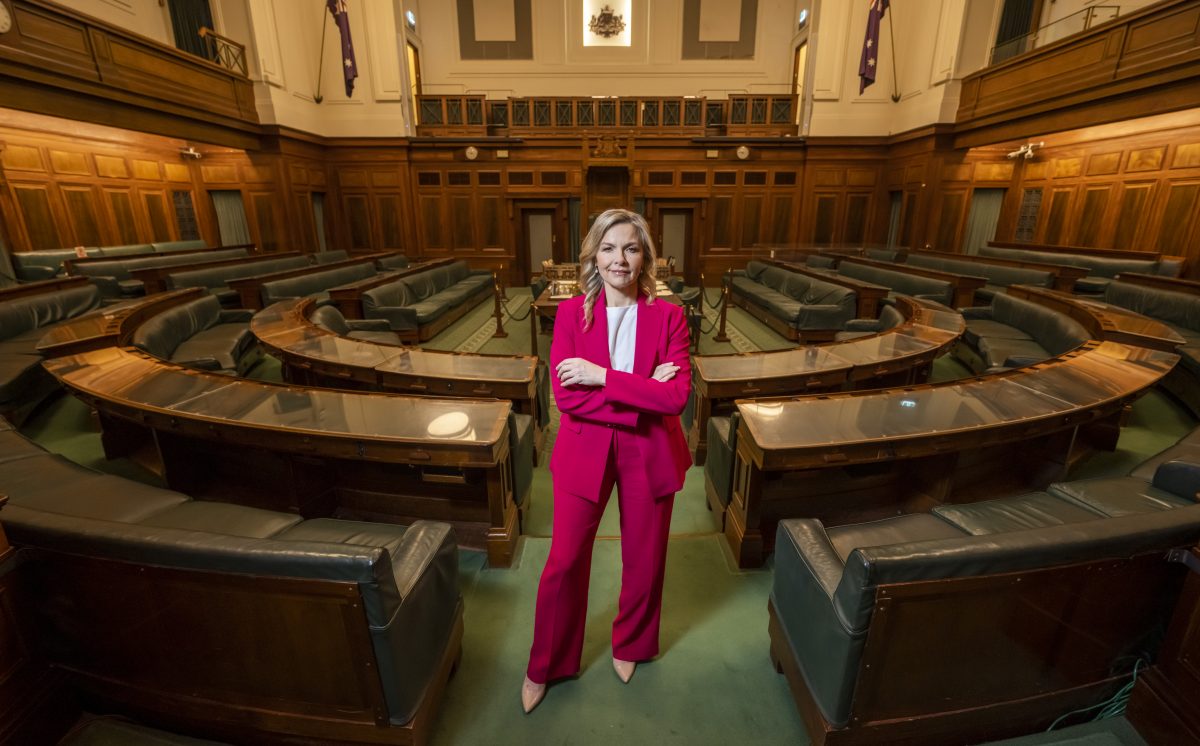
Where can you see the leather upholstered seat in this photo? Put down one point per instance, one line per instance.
(200, 334)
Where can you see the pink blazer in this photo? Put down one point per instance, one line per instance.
(632, 403)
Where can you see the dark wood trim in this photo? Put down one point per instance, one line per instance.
(1065, 275)
(249, 289)
(155, 278)
(964, 286)
(1173, 284)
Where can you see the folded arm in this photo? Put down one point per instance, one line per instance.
(649, 395)
(585, 402)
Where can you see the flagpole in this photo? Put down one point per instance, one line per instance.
(892, 34)
(317, 97)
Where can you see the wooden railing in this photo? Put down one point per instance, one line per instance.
(676, 115)
(224, 51)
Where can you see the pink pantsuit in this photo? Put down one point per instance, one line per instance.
(625, 433)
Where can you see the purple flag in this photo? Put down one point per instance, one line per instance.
(870, 53)
(349, 66)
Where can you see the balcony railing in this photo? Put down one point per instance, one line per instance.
(224, 51)
(1060, 29)
(668, 116)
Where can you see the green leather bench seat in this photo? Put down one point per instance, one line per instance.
(370, 330)
(1186, 448)
(889, 318)
(414, 301)
(998, 276)
(1034, 510)
(165, 247)
(216, 279)
(722, 446)
(45, 264)
(396, 261)
(1101, 269)
(314, 285)
(23, 322)
(407, 576)
(925, 288)
(1179, 311)
(1013, 331)
(825, 580)
(800, 301)
(200, 334)
(115, 280)
(520, 438)
(1117, 496)
(329, 257)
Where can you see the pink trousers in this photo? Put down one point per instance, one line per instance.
(563, 593)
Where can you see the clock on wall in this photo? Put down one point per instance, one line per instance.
(472, 152)
(5, 19)
(742, 152)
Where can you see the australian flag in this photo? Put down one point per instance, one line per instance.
(349, 66)
(870, 53)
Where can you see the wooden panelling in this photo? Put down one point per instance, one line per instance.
(829, 177)
(85, 221)
(22, 158)
(388, 208)
(1091, 215)
(148, 170)
(219, 174)
(751, 218)
(861, 177)
(358, 216)
(826, 218)
(1179, 218)
(461, 222)
(1102, 164)
(263, 204)
(1067, 167)
(69, 163)
(993, 171)
(858, 210)
(721, 207)
(156, 210)
(950, 221)
(121, 204)
(40, 225)
(957, 172)
(1146, 159)
(113, 168)
(1036, 170)
(258, 174)
(781, 218)
(1056, 220)
(177, 172)
(432, 234)
(1187, 156)
(1131, 217)
(491, 219)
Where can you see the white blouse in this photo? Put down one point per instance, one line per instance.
(622, 332)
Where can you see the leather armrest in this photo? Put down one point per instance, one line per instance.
(977, 312)
(398, 317)
(861, 325)
(1180, 478)
(368, 325)
(235, 316)
(202, 363)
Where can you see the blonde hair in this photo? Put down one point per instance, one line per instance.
(589, 275)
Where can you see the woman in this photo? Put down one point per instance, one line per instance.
(621, 378)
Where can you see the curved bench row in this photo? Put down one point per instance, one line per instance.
(227, 620)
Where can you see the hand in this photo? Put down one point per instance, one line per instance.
(576, 370)
(665, 372)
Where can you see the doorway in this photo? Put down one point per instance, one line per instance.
(540, 236)
(674, 228)
(982, 219)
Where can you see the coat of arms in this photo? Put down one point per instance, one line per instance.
(607, 23)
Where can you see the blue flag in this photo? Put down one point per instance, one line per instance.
(349, 66)
(870, 52)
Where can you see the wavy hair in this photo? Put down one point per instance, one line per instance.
(589, 275)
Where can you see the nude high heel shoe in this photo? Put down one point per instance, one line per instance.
(531, 694)
(624, 669)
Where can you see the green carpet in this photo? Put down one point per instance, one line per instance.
(714, 682)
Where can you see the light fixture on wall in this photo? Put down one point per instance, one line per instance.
(1026, 150)
(190, 152)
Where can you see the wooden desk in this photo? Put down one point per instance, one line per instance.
(899, 356)
(964, 286)
(1065, 275)
(1086, 251)
(313, 356)
(72, 263)
(249, 289)
(316, 452)
(1173, 284)
(860, 456)
(155, 278)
